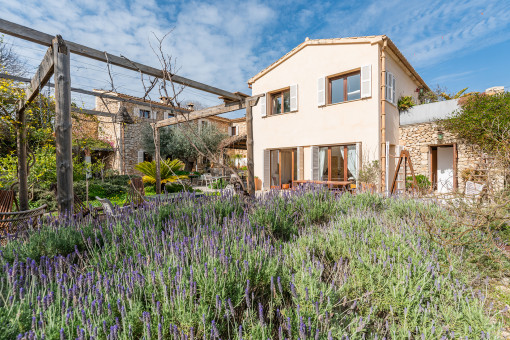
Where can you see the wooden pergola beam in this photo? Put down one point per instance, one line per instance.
(99, 94)
(41, 77)
(210, 111)
(41, 38)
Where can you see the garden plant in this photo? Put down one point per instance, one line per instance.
(305, 264)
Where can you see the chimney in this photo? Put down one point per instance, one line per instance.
(191, 106)
(164, 100)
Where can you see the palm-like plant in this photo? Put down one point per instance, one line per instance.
(170, 171)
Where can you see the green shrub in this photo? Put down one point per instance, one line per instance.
(104, 189)
(422, 181)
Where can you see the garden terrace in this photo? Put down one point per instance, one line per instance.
(297, 264)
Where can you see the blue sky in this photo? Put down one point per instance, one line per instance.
(454, 44)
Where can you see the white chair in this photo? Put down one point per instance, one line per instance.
(208, 179)
(109, 209)
(473, 191)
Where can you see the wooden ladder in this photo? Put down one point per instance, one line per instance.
(404, 161)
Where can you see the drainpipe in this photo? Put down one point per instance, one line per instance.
(382, 147)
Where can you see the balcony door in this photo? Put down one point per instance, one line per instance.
(283, 167)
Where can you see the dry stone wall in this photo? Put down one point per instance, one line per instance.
(418, 137)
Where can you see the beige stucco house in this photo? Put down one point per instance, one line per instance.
(329, 106)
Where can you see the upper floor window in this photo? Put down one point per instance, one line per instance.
(234, 131)
(280, 102)
(344, 88)
(145, 114)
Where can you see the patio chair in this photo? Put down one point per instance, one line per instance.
(18, 221)
(473, 191)
(7, 198)
(208, 179)
(109, 209)
(80, 210)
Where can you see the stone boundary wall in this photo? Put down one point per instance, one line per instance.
(418, 137)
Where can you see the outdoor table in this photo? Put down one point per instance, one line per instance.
(343, 184)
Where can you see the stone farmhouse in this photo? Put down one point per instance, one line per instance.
(124, 132)
(330, 106)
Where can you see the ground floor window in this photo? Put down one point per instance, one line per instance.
(283, 167)
(338, 163)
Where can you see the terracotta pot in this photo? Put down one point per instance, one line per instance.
(258, 184)
(285, 186)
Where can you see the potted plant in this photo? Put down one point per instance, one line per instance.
(258, 183)
(405, 103)
(369, 176)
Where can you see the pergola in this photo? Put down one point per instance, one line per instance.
(56, 62)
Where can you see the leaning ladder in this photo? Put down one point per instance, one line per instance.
(404, 161)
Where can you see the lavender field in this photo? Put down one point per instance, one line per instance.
(301, 265)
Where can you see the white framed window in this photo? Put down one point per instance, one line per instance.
(391, 88)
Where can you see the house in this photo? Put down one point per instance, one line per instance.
(329, 106)
(124, 132)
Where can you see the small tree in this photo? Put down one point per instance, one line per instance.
(484, 121)
(174, 142)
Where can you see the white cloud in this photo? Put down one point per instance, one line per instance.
(215, 43)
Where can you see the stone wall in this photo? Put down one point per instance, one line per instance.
(418, 137)
(127, 140)
(84, 126)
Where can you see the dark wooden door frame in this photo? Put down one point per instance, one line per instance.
(454, 165)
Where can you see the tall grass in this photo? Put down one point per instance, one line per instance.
(302, 264)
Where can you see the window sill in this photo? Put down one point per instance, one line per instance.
(347, 101)
(281, 114)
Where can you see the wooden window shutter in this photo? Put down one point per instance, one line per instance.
(136, 112)
(230, 130)
(359, 162)
(321, 91)
(300, 163)
(267, 169)
(393, 90)
(165, 115)
(140, 156)
(315, 163)
(293, 98)
(263, 110)
(366, 81)
(153, 114)
(388, 86)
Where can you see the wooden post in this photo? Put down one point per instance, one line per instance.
(249, 147)
(63, 125)
(157, 159)
(21, 142)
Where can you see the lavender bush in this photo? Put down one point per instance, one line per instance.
(303, 264)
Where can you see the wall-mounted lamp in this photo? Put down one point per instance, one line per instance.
(440, 135)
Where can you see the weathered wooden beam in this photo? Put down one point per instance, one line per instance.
(38, 37)
(93, 112)
(157, 160)
(41, 77)
(210, 111)
(63, 126)
(249, 148)
(21, 143)
(100, 94)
